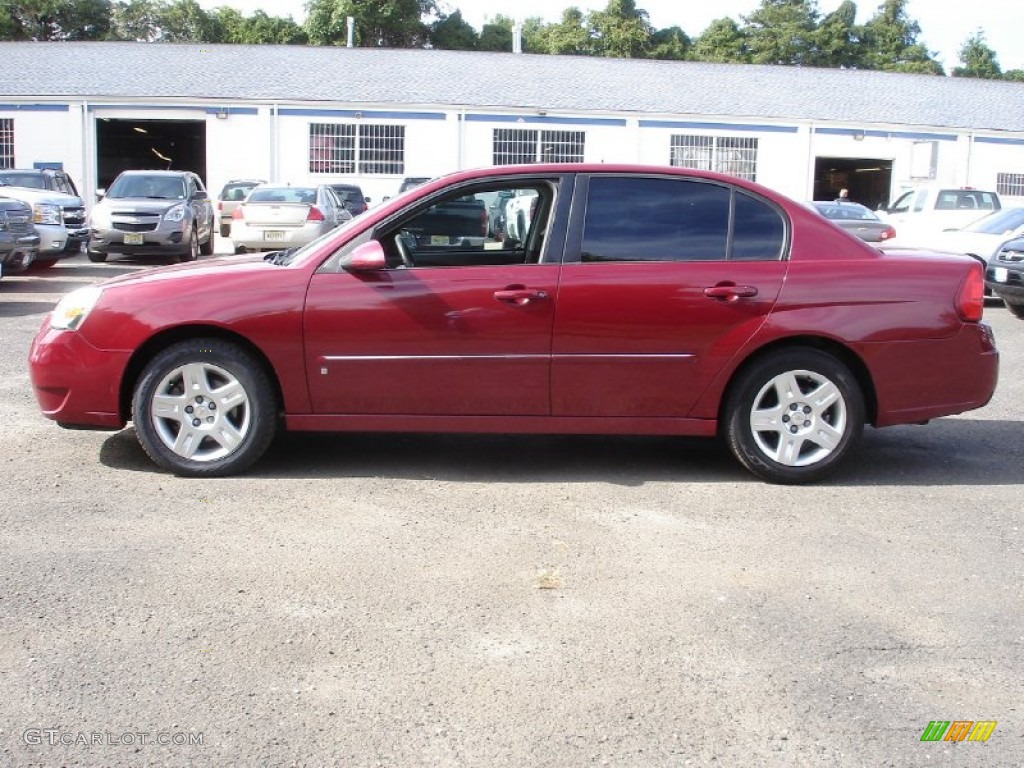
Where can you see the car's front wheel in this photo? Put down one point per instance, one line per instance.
(1017, 310)
(792, 417)
(96, 257)
(204, 408)
(192, 247)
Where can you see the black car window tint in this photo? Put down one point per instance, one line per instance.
(759, 232)
(655, 219)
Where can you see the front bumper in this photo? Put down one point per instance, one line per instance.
(167, 239)
(1006, 280)
(60, 242)
(17, 253)
(76, 384)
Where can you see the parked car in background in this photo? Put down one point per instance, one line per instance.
(707, 305)
(59, 217)
(276, 216)
(53, 179)
(231, 196)
(930, 208)
(980, 239)
(19, 241)
(410, 182)
(352, 197)
(1005, 276)
(856, 219)
(153, 213)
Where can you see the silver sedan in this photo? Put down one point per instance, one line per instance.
(276, 216)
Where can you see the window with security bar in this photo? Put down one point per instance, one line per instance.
(733, 155)
(6, 142)
(1010, 184)
(517, 146)
(363, 148)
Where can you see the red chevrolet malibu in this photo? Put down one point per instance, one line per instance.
(620, 299)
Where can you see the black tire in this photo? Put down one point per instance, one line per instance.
(799, 383)
(192, 252)
(96, 257)
(206, 248)
(39, 266)
(1017, 310)
(218, 424)
(225, 230)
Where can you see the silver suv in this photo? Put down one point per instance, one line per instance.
(151, 213)
(57, 211)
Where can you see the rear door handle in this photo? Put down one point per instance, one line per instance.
(730, 292)
(520, 296)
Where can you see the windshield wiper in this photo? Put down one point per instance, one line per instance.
(280, 257)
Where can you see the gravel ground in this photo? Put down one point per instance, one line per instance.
(362, 600)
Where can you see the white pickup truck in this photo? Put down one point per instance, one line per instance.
(922, 211)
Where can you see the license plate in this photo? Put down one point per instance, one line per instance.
(273, 234)
(999, 274)
(133, 238)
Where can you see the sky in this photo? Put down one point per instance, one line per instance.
(945, 24)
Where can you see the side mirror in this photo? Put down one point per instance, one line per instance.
(101, 193)
(368, 257)
(367, 199)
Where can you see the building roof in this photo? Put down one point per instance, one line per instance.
(475, 80)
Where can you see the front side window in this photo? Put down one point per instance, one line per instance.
(517, 146)
(490, 224)
(364, 148)
(6, 142)
(662, 219)
(732, 155)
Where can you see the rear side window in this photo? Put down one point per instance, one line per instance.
(966, 200)
(659, 219)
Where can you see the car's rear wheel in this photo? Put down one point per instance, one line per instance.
(1017, 310)
(192, 252)
(792, 417)
(96, 256)
(204, 408)
(39, 266)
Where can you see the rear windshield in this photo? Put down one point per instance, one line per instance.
(305, 195)
(966, 200)
(33, 180)
(237, 190)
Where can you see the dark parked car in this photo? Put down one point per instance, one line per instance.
(352, 197)
(856, 219)
(153, 213)
(409, 182)
(707, 306)
(19, 241)
(1005, 276)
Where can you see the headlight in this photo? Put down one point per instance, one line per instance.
(100, 217)
(71, 311)
(177, 213)
(46, 213)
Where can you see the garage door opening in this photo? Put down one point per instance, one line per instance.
(122, 145)
(868, 181)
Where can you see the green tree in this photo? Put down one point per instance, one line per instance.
(977, 59)
(891, 44)
(135, 20)
(55, 19)
(184, 21)
(621, 30)
(670, 44)
(569, 36)
(783, 32)
(451, 32)
(385, 23)
(1014, 74)
(723, 41)
(839, 37)
(496, 35)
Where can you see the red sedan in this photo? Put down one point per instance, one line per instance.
(635, 300)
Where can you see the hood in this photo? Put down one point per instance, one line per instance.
(220, 267)
(138, 204)
(29, 195)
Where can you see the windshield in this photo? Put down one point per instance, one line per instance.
(1001, 223)
(150, 187)
(31, 180)
(286, 257)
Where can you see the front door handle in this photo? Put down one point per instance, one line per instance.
(520, 296)
(730, 292)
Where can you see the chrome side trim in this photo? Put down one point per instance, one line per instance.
(379, 358)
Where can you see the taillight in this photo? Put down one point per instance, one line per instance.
(314, 214)
(237, 213)
(220, 205)
(888, 233)
(970, 299)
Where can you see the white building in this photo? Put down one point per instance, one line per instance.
(374, 116)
